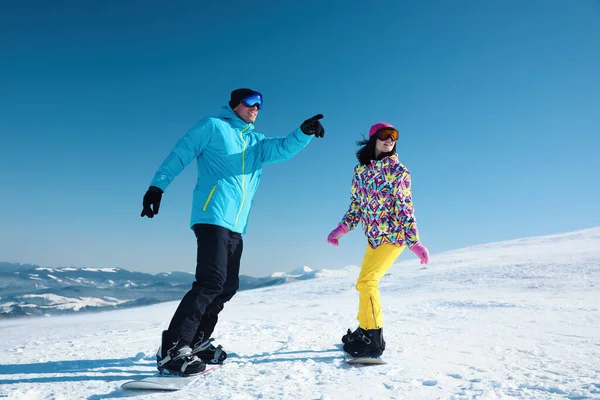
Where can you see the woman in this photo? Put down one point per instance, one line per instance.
(381, 200)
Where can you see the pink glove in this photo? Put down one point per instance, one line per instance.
(337, 233)
(421, 252)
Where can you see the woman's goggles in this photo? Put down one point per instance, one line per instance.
(386, 133)
(254, 99)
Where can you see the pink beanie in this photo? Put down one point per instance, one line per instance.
(378, 126)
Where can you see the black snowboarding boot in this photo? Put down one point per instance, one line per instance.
(359, 332)
(174, 358)
(208, 353)
(364, 342)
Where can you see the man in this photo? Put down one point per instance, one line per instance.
(230, 156)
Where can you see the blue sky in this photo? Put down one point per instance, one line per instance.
(497, 104)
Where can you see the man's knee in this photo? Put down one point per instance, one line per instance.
(229, 290)
(225, 296)
(210, 288)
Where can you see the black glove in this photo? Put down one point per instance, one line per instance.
(151, 198)
(312, 126)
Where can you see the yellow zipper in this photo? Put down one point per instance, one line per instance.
(209, 196)
(243, 178)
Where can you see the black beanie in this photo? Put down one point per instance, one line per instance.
(238, 95)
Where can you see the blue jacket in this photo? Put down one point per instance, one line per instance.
(230, 156)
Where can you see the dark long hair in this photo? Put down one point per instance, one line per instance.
(366, 153)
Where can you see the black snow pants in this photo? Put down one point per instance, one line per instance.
(217, 281)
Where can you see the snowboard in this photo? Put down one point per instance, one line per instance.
(167, 383)
(364, 361)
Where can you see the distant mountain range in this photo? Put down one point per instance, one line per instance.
(30, 290)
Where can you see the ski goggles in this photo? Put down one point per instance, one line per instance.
(254, 99)
(386, 133)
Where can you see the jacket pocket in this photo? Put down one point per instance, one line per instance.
(209, 197)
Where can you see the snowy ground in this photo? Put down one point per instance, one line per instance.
(516, 319)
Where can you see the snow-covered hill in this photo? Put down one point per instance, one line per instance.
(518, 319)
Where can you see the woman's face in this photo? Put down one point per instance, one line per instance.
(384, 146)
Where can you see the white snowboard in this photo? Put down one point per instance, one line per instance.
(365, 361)
(170, 383)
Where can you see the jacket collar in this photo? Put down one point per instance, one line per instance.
(227, 114)
(389, 160)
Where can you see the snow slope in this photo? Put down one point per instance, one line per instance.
(517, 319)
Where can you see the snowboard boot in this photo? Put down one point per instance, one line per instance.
(364, 343)
(349, 336)
(174, 358)
(359, 332)
(208, 353)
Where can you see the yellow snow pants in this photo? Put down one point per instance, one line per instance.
(375, 264)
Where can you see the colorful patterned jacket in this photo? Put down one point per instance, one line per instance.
(381, 200)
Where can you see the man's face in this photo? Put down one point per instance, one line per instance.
(247, 114)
